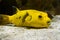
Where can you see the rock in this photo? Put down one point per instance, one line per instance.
(55, 24)
(19, 33)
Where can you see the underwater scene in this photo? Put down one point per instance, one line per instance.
(29, 19)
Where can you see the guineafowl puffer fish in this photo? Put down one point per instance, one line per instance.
(30, 18)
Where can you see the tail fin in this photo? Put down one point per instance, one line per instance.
(4, 19)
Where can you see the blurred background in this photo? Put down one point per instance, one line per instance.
(52, 6)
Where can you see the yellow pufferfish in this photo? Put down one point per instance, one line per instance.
(30, 18)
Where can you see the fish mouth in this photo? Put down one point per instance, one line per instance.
(49, 23)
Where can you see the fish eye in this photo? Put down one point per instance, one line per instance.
(40, 16)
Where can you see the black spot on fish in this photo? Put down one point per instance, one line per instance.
(23, 20)
(40, 16)
(18, 17)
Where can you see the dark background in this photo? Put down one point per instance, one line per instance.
(52, 6)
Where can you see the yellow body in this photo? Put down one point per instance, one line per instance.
(30, 18)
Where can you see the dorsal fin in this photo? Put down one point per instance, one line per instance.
(16, 8)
